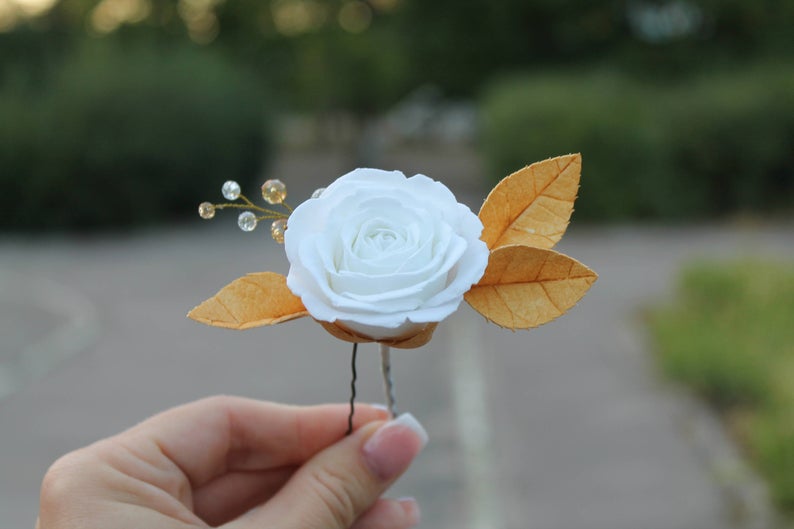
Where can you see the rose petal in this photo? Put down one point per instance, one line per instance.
(383, 254)
(387, 286)
(379, 302)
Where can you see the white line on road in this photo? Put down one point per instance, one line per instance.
(474, 428)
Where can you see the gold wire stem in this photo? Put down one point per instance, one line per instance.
(247, 201)
(249, 205)
(259, 208)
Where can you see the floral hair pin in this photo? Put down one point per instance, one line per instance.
(378, 257)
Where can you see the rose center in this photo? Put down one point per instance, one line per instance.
(383, 239)
(377, 239)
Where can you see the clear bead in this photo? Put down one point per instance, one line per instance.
(277, 230)
(231, 190)
(274, 191)
(246, 221)
(206, 210)
(318, 192)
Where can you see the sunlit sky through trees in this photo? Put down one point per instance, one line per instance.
(288, 18)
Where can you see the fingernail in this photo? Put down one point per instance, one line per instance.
(411, 508)
(379, 406)
(392, 448)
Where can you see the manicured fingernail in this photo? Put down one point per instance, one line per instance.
(411, 508)
(392, 448)
(379, 406)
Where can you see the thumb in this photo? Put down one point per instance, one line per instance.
(343, 481)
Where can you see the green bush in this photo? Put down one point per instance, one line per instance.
(715, 144)
(728, 335)
(480, 38)
(121, 136)
(773, 442)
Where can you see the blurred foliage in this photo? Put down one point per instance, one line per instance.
(720, 142)
(638, 98)
(462, 44)
(729, 336)
(363, 55)
(117, 135)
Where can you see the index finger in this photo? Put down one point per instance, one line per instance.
(213, 436)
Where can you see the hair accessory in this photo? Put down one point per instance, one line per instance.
(273, 191)
(378, 257)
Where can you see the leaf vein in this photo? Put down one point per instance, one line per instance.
(556, 177)
(535, 189)
(548, 296)
(254, 284)
(507, 306)
(227, 309)
(530, 281)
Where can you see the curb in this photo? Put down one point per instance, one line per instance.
(747, 494)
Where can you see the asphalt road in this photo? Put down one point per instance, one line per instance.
(564, 427)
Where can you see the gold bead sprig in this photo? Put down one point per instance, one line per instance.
(273, 191)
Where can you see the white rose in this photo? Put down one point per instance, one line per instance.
(383, 255)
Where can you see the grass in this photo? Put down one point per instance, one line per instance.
(729, 335)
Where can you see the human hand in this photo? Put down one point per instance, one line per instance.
(239, 464)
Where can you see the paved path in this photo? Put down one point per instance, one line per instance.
(564, 427)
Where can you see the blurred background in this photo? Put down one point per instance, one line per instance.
(665, 400)
(124, 112)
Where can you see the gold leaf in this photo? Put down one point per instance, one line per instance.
(524, 287)
(250, 301)
(532, 206)
(413, 341)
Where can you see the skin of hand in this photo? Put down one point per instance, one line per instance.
(239, 464)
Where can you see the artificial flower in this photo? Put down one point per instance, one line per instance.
(378, 257)
(382, 255)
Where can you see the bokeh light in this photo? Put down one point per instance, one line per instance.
(14, 11)
(295, 17)
(8, 16)
(200, 19)
(355, 16)
(108, 15)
